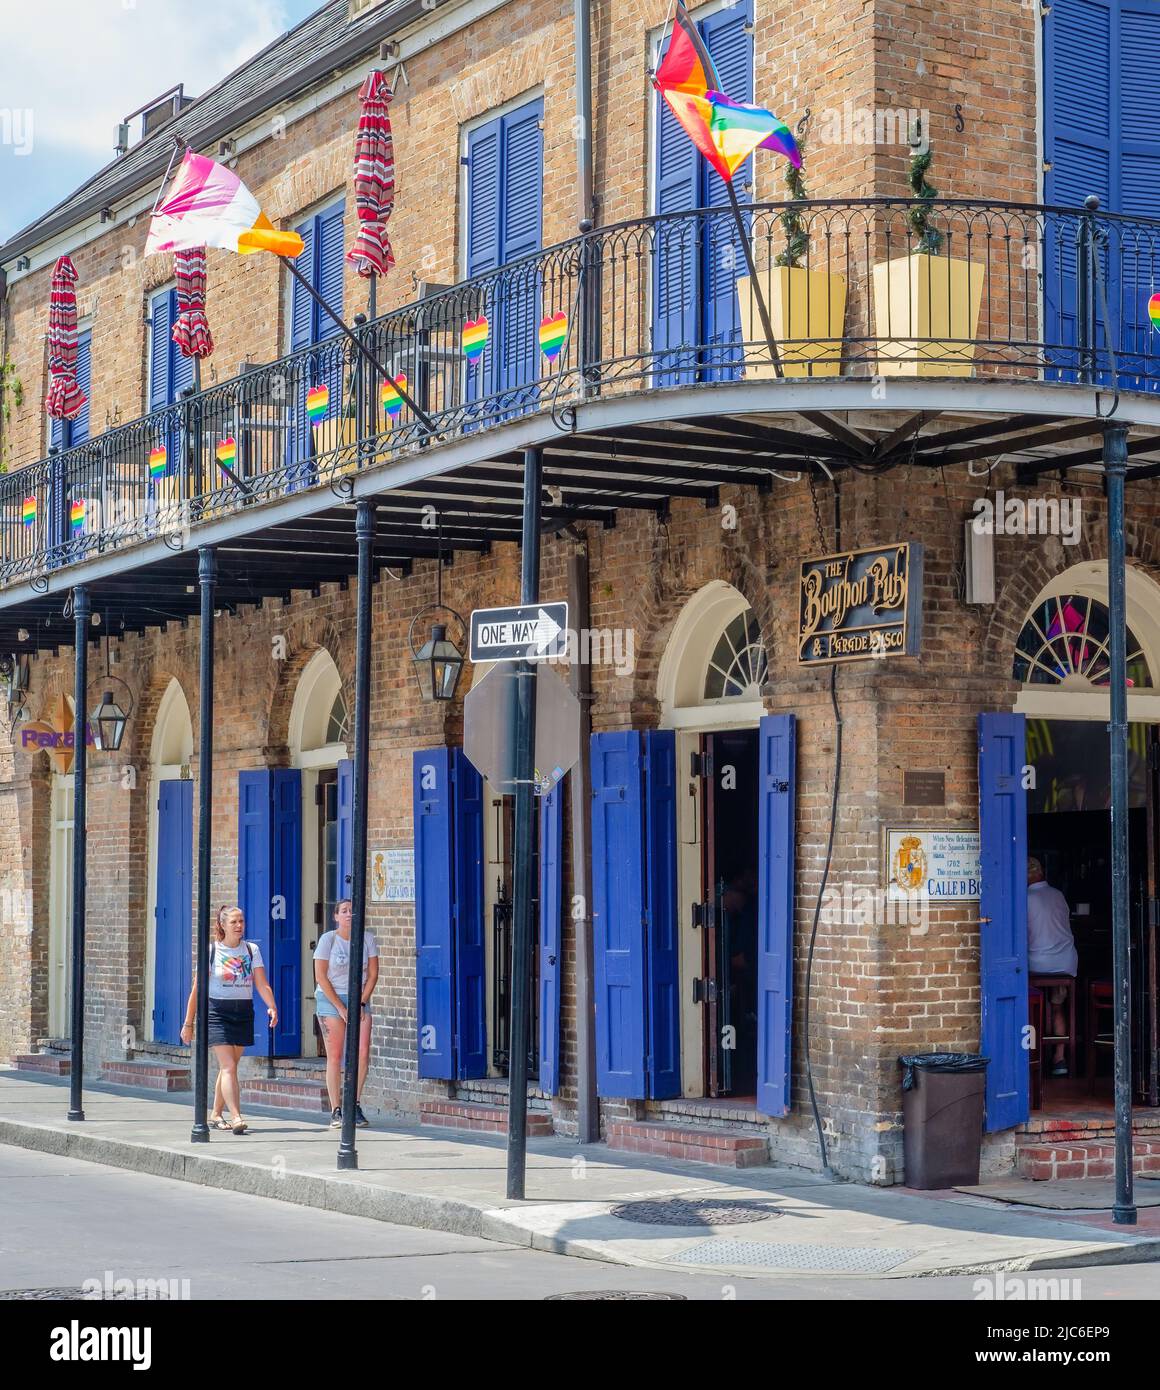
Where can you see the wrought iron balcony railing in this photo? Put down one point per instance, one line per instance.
(1015, 291)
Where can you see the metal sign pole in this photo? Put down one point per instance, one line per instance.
(525, 831)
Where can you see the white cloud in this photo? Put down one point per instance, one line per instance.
(70, 70)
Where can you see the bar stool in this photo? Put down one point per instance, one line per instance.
(1034, 1053)
(1100, 999)
(1045, 983)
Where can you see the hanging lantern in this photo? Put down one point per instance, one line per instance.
(438, 664)
(108, 722)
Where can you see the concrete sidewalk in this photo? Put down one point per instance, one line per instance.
(756, 1221)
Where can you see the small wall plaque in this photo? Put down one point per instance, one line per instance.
(921, 788)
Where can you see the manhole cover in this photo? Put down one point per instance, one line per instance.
(55, 1295)
(678, 1211)
(616, 1296)
(763, 1254)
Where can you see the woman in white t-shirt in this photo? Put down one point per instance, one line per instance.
(236, 969)
(332, 980)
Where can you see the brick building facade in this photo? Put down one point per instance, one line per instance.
(877, 989)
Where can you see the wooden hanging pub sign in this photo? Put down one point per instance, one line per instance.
(860, 605)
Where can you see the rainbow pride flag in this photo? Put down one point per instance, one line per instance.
(28, 511)
(392, 401)
(76, 516)
(157, 462)
(317, 403)
(1154, 310)
(208, 205)
(227, 451)
(553, 331)
(725, 131)
(475, 333)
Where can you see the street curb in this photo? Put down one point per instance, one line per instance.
(494, 1224)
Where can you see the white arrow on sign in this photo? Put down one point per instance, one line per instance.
(546, 631)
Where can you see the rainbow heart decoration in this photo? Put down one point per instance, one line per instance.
(76, 516)
(390, 397)
(1154, 310)
(475, 333)
(28, 511)
(227, 451)
(553, 331)
(157, 461)
(317, 403)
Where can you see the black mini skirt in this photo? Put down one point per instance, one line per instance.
(231, 1022)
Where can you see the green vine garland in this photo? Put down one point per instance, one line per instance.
(930, 239)
(797, 237)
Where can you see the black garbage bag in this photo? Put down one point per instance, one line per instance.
(939, 1061)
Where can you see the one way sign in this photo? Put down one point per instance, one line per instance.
(531, 633)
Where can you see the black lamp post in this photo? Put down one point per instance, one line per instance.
(438, 662)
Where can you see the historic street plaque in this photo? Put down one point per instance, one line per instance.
(860, 605)
(530, 633)
(489, 716)
(921, 788)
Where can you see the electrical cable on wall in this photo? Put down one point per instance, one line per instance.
(829, 850)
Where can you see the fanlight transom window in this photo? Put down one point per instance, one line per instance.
(1066, 642)
(338, 725)
(737, 667)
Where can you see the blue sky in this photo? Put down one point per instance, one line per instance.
(70, 70)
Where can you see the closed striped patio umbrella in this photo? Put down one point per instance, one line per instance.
(65, 398)
(374, 179)
(191, 327)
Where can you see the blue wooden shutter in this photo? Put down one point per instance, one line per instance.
(285, 968)
(255, 868)
(1003, 913)
(551, 954)
(730, 46)
(345, 828)
(676, 254)
(470, 993)
(483, 224)
(63, 434)
(329, 276)
(521, 217)
(160, 329)
(618, 913)
(434, 948)
(775, 883)
(172, 964)
(302, 308)
(662, 945)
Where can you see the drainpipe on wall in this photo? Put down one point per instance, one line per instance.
(583, 16)
(580, 679)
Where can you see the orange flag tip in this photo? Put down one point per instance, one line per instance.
(264, 236)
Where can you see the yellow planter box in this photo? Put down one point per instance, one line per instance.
(807, 312)
(341, 432)
(926, 315)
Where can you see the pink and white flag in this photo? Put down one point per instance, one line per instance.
(208, 205)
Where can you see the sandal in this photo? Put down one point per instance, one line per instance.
(219, 1122)
(238, 1125)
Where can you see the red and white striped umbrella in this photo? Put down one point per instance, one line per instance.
(65, 398)
(374, 179)
(191, 328)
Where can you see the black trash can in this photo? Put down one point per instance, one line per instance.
(942, 1114)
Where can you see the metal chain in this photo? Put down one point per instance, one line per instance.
(817, 510)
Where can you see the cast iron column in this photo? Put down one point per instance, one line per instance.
(1115, 465)
(364, 535)
(207, 578)
(80, 749)
(523, 874)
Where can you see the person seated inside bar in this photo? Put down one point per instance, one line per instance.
(1050, 948)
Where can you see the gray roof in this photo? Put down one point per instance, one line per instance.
(323, 43)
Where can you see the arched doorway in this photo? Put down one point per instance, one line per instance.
(1062, 660)
(318, 733)
(709, 686)
(169, 926)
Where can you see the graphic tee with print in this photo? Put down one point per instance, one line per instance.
(232, 976)
(333, 949)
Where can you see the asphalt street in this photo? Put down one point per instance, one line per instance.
(63, 1222)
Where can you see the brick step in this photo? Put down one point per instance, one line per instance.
(147, 1076)
(489, 1119)
(286, 1093)
(724, 1147)
(45, 1063)
(1045, 1128)
(1090, 1158)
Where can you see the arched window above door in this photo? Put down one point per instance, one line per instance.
(714, 666)
(737, 668)
(1065, 642)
